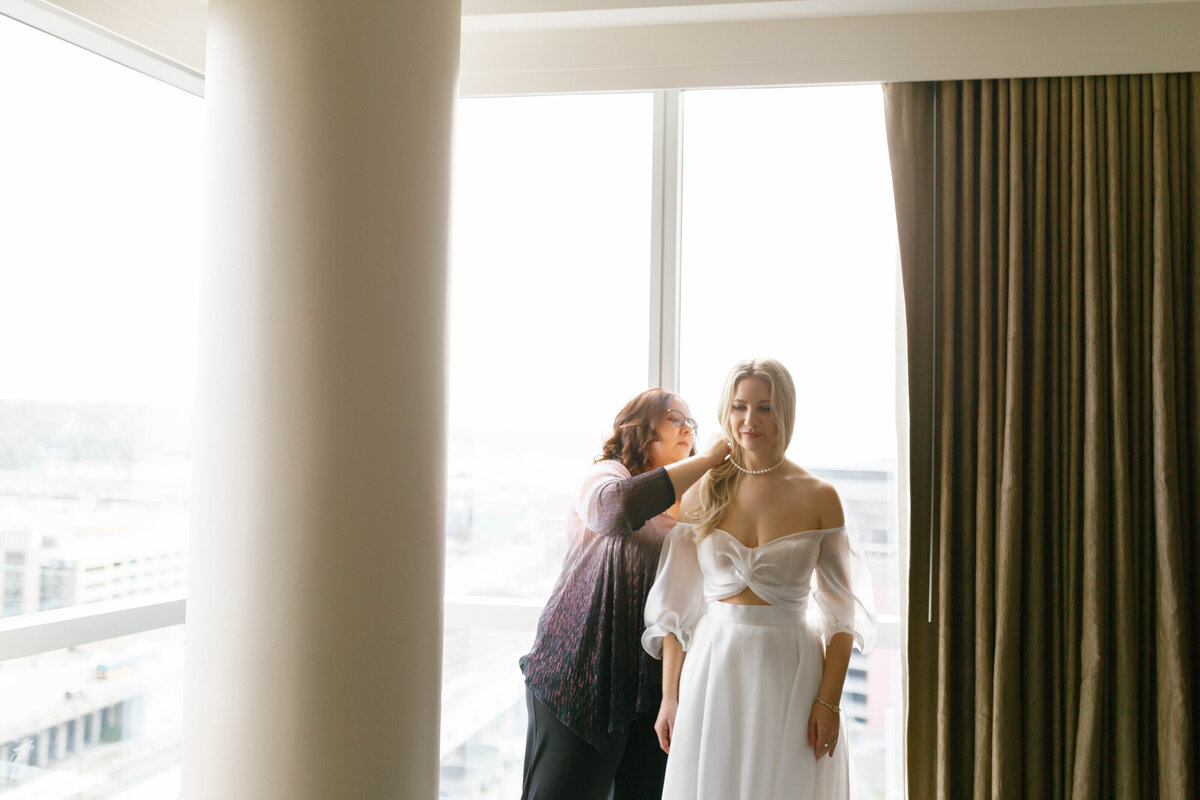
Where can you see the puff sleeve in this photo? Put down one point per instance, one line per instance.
(842, 589)
(676, 600)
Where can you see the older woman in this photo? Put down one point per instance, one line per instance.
(759, 684)
(591, 691)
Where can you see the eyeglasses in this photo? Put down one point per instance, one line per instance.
(680, 421)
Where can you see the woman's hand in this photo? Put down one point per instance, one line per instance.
(822, 730)
(717, 450)
(664, 726)
(685, 473)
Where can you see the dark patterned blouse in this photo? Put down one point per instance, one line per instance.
(587, 664)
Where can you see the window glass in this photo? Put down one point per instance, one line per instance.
(789, 251)
(483, 714)
(98, 271)
(96, 720)
(549, 313)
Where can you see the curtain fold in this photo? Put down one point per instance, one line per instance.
(1050, 249)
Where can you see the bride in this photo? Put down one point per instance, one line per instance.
(761, 683)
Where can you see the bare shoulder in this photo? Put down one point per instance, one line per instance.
(815, 494)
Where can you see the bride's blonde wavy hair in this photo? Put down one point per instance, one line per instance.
(719, 485)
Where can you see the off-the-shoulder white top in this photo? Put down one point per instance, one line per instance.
(827, 564)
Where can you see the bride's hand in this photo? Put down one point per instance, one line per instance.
(822, 729)
(664, 726)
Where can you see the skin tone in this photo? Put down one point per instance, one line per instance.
(671, 448)
(778, 503)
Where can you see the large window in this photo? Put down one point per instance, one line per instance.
(787, 247)
(98, 263)
(567, 297)
(99, 203)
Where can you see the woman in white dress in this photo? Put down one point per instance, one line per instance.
(752, 677)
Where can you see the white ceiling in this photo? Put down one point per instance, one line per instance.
(488, 15)
(531, 46)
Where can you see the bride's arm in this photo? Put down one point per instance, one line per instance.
(823, 722)
(673, 656)
(674, 607)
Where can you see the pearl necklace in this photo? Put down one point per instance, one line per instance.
(756, 471)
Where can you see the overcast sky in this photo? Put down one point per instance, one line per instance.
(789, 250)
(99, 197)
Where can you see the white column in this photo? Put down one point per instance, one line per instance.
(60, 741)
(315, 576)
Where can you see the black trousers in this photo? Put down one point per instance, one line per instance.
(561, 766)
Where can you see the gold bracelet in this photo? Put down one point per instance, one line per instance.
(834, 709)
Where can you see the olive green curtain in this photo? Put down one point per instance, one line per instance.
(1050, 248)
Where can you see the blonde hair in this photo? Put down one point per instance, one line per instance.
(719, 485)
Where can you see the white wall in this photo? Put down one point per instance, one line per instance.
(654, 44)
(1040, 42)
(754, 43)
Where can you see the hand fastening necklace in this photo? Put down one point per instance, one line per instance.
(756, 471)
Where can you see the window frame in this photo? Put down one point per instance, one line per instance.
(80, 31)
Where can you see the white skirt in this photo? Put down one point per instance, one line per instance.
(745, 695)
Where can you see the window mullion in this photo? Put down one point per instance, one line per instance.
(45, 631)
(664, 240)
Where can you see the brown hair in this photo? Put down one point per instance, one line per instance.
(633, 430)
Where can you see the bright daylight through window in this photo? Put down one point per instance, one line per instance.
(788, 249)
(98, 273)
